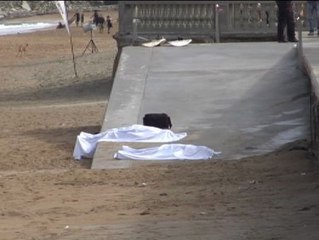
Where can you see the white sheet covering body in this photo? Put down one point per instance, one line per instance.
(167, 152)
(86, 143)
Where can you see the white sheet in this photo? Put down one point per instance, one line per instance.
(167, 152)
(86, 143)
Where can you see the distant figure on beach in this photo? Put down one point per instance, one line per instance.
(22, 49)
(95, 17)
(82, 19)
(109, 24)
(60, 25)
(100, 22)
(77, 18)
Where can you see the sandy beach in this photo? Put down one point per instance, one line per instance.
(46, 194)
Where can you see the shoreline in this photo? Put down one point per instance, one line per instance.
(54, 19)
(16, 28)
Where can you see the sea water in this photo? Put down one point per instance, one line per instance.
(9, 29)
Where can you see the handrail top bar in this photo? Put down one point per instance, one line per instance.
(167, 2)
(194, 2)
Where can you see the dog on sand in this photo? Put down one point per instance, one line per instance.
(22, 49)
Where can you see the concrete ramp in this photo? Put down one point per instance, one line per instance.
(242, 99)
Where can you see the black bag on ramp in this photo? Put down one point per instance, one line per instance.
(159, 120)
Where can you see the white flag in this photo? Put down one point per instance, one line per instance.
(62, 9)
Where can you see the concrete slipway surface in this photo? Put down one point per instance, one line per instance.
(242, 99)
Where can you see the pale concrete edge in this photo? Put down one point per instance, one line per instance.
(100, 161)
(314, 97)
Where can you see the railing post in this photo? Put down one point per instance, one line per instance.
(217, 30)
(300, 34)
(134, 24)
(299, 22)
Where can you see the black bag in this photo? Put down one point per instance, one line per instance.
(159, 120)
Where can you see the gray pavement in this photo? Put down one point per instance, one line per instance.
(242, 99)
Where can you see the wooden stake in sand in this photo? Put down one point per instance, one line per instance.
(62, 9)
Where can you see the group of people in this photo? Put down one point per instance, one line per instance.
(79, 17)
(286, 20)
(97, 19)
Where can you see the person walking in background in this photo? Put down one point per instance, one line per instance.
(109, 24)
(95, 17)
(312, 15)
(82, 18)
(285, 20)
(77, 18)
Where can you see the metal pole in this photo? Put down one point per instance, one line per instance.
(217, 35)
(134, 23)
(300, 43)
(73, 58)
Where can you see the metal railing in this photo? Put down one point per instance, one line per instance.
(149, 19)
(201, 20)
